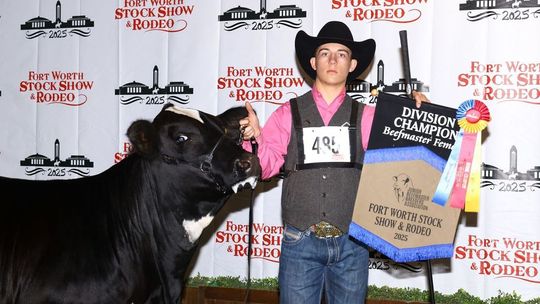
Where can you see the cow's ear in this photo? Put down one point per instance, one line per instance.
(143, 137)
(231, 121)
(231, 117)
(167, 105)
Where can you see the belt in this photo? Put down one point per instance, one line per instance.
(325, 230)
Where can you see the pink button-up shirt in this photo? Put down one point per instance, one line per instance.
(276, 133)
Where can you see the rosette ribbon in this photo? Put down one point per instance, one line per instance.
(460, 181)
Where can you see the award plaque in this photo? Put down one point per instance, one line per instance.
(406, 155)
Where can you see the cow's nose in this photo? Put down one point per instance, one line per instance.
(243, 164)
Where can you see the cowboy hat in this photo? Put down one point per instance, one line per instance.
(334, 32)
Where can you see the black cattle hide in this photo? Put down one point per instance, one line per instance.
(125, 235)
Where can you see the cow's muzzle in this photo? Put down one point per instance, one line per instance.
(249, 167)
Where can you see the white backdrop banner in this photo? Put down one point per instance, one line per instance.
(75, 74)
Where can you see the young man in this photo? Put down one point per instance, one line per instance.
(319, 139)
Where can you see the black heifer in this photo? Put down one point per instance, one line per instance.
(127, 234)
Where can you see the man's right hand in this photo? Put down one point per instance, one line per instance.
(250, 124)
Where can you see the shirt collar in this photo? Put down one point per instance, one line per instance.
(321, 103)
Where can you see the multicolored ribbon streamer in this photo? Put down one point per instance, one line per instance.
(463, 170)
(460, 182)
(444, 188)
(472, 198)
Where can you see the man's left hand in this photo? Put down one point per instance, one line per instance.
(419, 97)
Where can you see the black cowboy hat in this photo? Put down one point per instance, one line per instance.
(334, 32)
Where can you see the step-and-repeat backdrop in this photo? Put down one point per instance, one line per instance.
(75, 74)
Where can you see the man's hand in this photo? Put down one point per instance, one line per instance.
(419, 97)
(250, 124)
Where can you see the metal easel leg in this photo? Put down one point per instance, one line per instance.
(430, 283)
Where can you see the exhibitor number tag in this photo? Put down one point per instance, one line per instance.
(326, 144)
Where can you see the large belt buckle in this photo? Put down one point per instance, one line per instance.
(325, 230)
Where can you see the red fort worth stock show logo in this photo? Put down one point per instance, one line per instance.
(396, 11)
(266, 240)
(512, 80)
(501, 257)
(260, 84)
(154, 15)
(57, 87)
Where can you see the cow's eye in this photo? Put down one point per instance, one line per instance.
(181, 138)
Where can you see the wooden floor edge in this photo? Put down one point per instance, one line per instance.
(226, 295)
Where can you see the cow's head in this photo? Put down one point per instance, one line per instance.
(210, 144)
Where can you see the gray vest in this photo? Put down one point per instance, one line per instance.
(313, 195)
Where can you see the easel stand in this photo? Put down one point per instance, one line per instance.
(408, 91)
(431, 290)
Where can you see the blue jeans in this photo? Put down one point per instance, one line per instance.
(309, 264)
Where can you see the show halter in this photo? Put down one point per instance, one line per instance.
(206, 164)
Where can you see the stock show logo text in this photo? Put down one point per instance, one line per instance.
(265, 241)
(260, 83)
(57, 87)
(154, 15)
(397, 11)
(506, 257)
(405, 223)
(503, 81)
